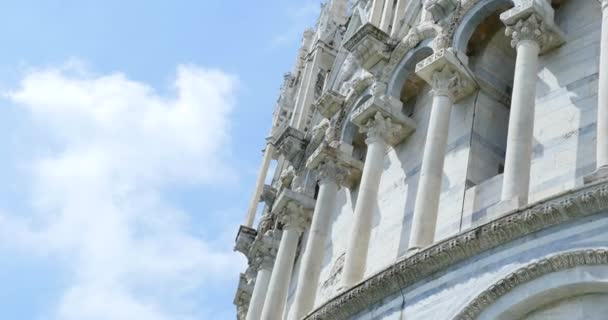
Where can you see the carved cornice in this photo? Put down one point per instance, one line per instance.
(244, 239)
(294, 209)
(533, 20)
(556, 263)
(561, 208)
(329, 103)
(330, 161)
(369, 45)
(381, 117)
(291, 143)
(446, 74)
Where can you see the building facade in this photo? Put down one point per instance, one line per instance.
(436, 159)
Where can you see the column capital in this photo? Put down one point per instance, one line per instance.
(264, 251)
(446, 75)
(332, 163)
(294, 209)
(381, 118)
(533, 20)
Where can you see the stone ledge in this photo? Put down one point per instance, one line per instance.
(558, 209)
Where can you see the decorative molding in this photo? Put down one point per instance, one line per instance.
(533, 20)
(446, 74)
(558, 262)
(294, 209)
(381, 117)
(369, 45)
(565, 207)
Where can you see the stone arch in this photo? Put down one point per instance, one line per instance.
(406, 67)
(473, 13)
(349, 129)
(564, 275)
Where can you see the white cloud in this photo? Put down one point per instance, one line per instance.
(115, 145)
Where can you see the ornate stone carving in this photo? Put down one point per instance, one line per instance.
(267, 223)
(565, 207)
(381, 117)
(446, 74)
(329, 103)
(264, 251)
(243, 296)
(329, 161)
(269, 194)
(369, 45)
(244, 239)
(440, 9)
(293, 209)
(532, 20)
(558, 262)
(291, 143)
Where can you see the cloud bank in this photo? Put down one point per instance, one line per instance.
(112, 146)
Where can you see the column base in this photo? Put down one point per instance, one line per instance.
(506, 206)
(598, 175)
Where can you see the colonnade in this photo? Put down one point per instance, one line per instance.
(450, 82)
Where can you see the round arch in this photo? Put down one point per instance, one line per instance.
(478, 11)
(349, 130)
(407, 66)
(562, 276)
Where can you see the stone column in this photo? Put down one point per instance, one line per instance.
(263, 253)
(333, 172)
(387, 16)
(375, 14)
(398, 16)
(295, 216)
(602, 104)
(259, 185)
(383, 128)
(449, 82)
(530, 35)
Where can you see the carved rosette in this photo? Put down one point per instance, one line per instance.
(294, 209)
(533, 21)
(446, 74)
(264, 251)
(369, 45)
(332, 163)
(381, 118)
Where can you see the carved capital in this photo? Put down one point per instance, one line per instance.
(381, 117)
(294, 209)
(446, 74)
(329, 103)
(291, 143)
(244, 239)
(332, 163)
(264, 251)
(369, 45)
(533, 20)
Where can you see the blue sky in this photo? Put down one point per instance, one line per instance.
(131, 140)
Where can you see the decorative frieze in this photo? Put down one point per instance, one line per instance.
(329, 103)
(244, 239)
(291, 143)
(329, 161)
(533, 20)
(562, 208)
(382, 117)
(446, 74)
(556, 263)
(369, 45)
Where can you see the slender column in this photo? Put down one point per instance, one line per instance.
(377, 129)
(295, 218)
(263, 253)
(602, 94)
(387, 16)
(259, 293)
(259, 185)
(375, 15)
(429, 186)
(398, 16)
(526, 34)
(332, 175)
